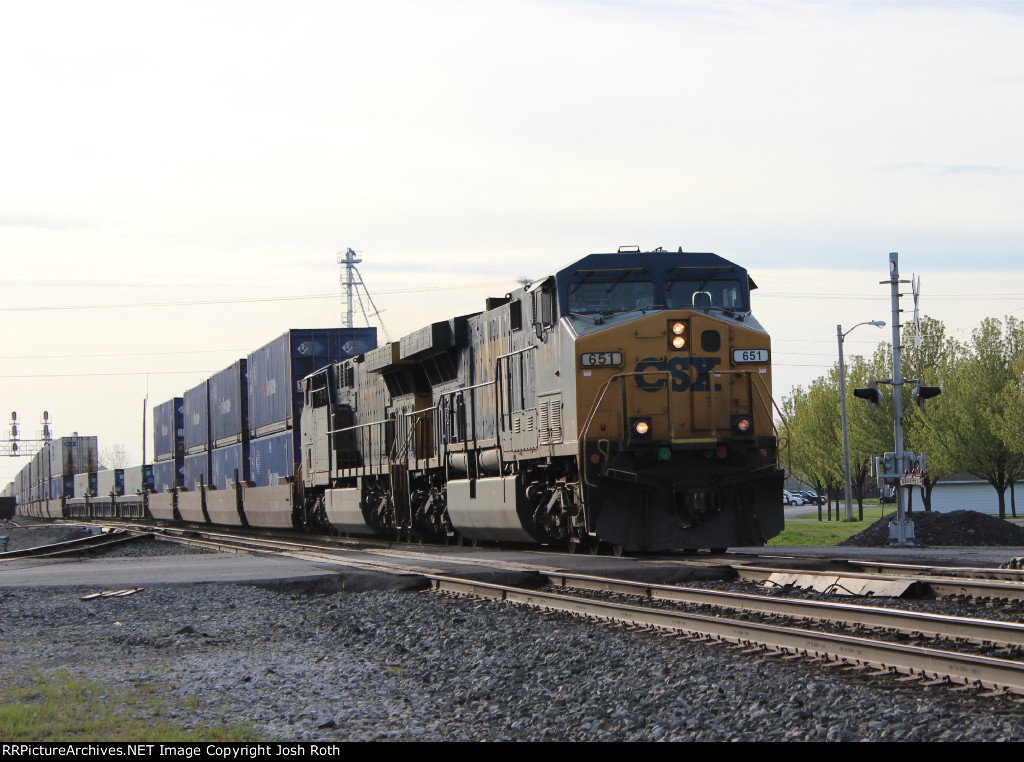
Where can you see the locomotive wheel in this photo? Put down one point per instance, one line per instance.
(617, 551)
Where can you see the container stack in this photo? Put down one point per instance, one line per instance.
(276, 371)
(197, 436)
(67, 457)
(169, 445)
(229, 426)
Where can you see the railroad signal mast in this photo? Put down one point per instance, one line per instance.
(899, 467)
(16, 446)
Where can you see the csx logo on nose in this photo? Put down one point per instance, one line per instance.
(678, 369)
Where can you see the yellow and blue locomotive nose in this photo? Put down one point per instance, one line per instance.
(677, 376)
(682, 420)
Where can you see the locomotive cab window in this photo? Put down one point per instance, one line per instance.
(515, 315)
(705, 294)
(544, 305)
(600, 298)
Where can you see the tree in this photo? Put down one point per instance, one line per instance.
(114, 456)
(931, 363)
(968, 429)
(870, 433)
(815, 437)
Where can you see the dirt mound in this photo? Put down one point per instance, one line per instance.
(957, 528)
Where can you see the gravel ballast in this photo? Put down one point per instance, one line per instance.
(420, 666)
(300, 664)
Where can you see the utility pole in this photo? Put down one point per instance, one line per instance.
(901, 530)
(351, 284)
(348, 260)
(895, 467)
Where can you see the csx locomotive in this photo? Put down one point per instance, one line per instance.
(625, 399)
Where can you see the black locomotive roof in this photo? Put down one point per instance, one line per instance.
(672, 264)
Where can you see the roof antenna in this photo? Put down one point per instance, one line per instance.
(680, 249)
(915, 284)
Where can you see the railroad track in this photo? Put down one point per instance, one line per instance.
(883, 656)
(85, 545)
(895, 579)
(806, 639)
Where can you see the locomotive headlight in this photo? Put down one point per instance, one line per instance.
(677, 332)
(640, 428)
(742, 425)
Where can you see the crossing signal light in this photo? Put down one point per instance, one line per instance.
(924, 393)
(872, 394)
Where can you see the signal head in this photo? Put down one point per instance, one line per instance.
(924, 393)
(872, 394)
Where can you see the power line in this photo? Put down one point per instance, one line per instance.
(120, 354)
(126, 373)
(251, 300)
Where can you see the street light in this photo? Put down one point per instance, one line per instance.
(842, 399)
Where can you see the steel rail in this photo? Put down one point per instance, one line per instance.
(982, 631)
(980, 671)
(940, 586)
(971, 572)
(73, 547)
(253, 544)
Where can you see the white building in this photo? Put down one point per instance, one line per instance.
(968, 493)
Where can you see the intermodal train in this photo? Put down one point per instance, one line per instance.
(624, 400)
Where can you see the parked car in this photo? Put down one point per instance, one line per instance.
(887, 496)
(811, 497)
(792, 498)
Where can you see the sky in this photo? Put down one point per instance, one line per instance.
(178, 178)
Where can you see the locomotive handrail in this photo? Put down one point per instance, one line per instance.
(775, 428)
(750, 376)
(582, 438)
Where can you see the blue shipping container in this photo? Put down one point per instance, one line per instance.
(169, 429)
(224, 461)
(273, 457)
(229, 404)
(197, 470)
(168, 474)
(277, 369)
(197, 418)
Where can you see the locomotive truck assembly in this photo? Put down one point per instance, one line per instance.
(624, 399)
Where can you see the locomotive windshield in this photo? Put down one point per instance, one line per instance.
(604, 298)
(704, 294)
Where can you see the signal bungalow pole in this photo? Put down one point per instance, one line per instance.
(902, 530)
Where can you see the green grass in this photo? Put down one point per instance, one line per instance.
(807, 530)
(60, 707)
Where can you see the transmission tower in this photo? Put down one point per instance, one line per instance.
(354, 292)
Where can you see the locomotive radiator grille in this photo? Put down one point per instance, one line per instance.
(550, 424)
